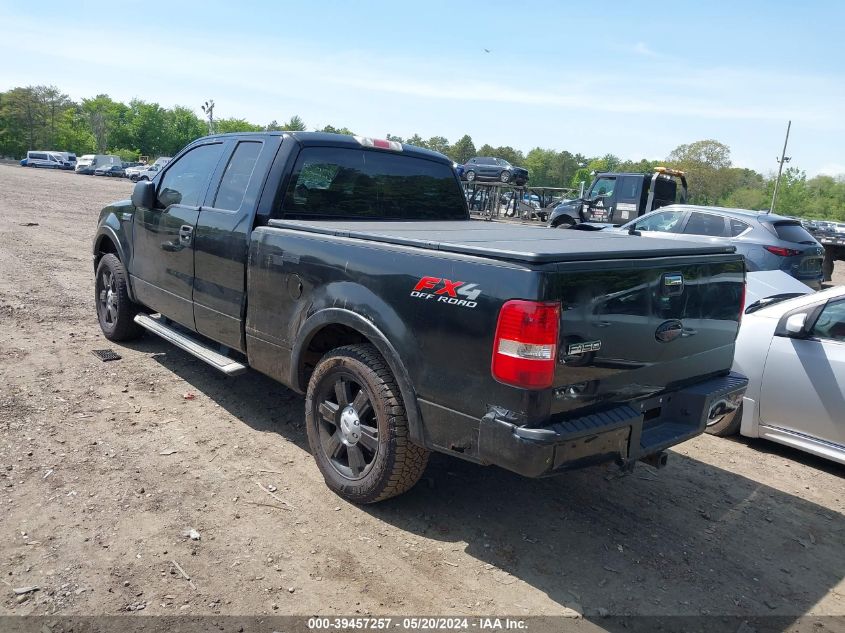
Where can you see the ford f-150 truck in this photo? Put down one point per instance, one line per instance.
(348, 269)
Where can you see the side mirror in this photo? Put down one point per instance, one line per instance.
(144, 195)
(795, 324)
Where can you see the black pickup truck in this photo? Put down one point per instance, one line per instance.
(348, 269)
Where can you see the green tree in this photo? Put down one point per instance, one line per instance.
(23, 121)
(337, 130)
(706, 164)
(183, 126)
(53, 104)
(438, 144)
(462, 150)
(416, 140)
(105, 118)
(295, 124)
(226, 126)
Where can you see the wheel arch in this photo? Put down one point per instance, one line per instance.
(335, 327)
(107, 241)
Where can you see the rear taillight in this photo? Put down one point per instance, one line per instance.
(782, 252)
(525, 346)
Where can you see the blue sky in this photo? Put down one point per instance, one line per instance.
(632, 78)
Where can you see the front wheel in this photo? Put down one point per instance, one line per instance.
(505, 176)
(115, 310)
(358, 429)
(470, 176)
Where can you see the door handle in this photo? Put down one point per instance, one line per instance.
(186, 232)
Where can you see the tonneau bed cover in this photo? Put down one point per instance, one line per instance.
(505, 241)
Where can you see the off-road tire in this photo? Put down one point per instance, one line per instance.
(728, 425)
(397, 464)
(119, 325)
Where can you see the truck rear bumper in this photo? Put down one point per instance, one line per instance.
(623, 434)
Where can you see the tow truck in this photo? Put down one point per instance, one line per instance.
(616, 198)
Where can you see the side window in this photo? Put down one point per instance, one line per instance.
(236, 178)
(737, 227)
(629, 188)
(604, 187)
(831, 322)
(666, 221)
(473, 160)
(185, 181)
(705, 224)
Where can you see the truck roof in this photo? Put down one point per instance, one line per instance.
(311, 139)
(530, 244)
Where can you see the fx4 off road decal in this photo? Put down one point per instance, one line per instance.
(442, 290)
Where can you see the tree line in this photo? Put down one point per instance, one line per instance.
(42, 117)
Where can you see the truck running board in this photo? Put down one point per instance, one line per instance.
(191, 345)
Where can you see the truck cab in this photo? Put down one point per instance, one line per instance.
(616, 198)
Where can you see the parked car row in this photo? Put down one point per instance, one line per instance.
(94, 164)
(146, 172)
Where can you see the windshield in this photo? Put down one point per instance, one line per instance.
(765, 302)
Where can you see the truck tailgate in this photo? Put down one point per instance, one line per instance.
(635, 331)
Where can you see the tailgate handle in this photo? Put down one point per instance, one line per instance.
(672, 284)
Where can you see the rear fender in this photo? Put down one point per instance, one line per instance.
(353, 320)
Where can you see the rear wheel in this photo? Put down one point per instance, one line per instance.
(727, 424)
(358, 429)
(565, 222)
(115, 310)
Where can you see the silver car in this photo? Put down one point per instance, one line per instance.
(792, 348)
(767, 241)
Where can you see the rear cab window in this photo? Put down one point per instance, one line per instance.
(335, 182)
(793, 232)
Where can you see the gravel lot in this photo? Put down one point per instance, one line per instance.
(106, 466)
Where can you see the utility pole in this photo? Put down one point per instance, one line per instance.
(208, 109)
(783, 159)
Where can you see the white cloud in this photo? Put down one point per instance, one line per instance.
(641, 48)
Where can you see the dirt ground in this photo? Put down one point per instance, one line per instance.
(107, 466)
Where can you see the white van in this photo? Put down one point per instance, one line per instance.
(51, 160)
(89, 162)
(68, 157)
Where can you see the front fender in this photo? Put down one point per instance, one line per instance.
(113, 226)
(353, 320)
